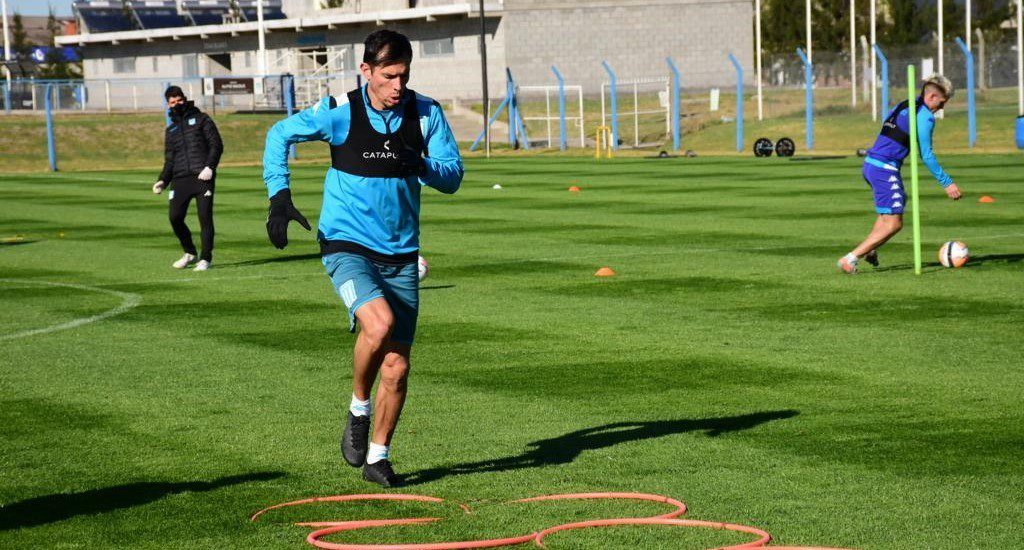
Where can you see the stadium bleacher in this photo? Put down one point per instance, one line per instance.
(271, 9)
(157, 14)
(207, 12)
(103, 15)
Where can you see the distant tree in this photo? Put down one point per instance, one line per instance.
(21, 46)
(328, 4)
(900, 22)
(782, 26)
(989, 15)
(55, 65)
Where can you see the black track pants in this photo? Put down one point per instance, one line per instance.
(182, 192)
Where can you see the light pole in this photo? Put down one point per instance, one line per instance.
(757, 35)
(853, 52)
(941, 38)
(810, 56)
(7, 51)
(967, 8)
(483, 79)
(262, 39)
(874, 70)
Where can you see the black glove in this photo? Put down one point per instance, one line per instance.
(412, 162)
(282, 211)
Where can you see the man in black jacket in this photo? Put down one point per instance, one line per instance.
(192, 149)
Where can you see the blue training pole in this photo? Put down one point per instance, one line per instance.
(7, 98)
(884, 106)
(739, 102)
(808, 98)
(289, 105)
(497, 113)
(615, 104)
(562, 134)
(516, 124)
(51, 146)
(972, 127)
(675, 103)
(167, 112)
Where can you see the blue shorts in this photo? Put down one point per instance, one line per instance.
(358, 280)
(887, 186)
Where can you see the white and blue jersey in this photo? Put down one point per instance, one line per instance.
(378, 213)
(885, 158)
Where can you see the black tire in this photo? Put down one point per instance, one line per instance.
(785, 147)
(763, 147)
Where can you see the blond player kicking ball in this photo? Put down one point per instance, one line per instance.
(882, 168)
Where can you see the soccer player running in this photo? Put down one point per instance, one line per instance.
(386, 141)
(882, 168)
(192, 150)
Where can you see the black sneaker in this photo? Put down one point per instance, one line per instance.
(872, 258)
(354, 439)
(381, 472)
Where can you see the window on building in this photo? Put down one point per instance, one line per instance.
(437, 48)
(156, 64)
(248, 59)
(124, 65)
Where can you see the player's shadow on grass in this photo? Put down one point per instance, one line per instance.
(566, 448)
(976, 260)
(58, 507)
(996, 258)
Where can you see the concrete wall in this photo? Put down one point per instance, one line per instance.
(634, 36)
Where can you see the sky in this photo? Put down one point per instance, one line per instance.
(38, 7)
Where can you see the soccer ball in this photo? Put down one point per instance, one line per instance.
(424, 267)
(953, 254)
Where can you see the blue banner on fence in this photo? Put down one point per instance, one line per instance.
(39, 54)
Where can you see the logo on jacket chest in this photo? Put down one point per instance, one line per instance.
(385, 154)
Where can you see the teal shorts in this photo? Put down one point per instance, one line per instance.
(358, 280)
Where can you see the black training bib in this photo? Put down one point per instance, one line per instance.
(892, 130)
(371, 154)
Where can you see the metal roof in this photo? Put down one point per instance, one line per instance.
(295, 24)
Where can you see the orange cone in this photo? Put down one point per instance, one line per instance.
(986, 198)
(605, 272)
(574, 189)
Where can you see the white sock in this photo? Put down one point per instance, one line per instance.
(377, 453)
(358, 407)
(851, 257)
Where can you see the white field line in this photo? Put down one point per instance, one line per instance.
(129, 300)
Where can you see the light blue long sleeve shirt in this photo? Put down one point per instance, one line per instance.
(381, 214)
(925, 129)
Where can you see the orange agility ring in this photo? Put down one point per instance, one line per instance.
(671, 519)
(680, 506)
(763, 537)
(331, 527)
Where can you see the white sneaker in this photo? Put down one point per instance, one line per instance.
(203, 265)
(184, 261)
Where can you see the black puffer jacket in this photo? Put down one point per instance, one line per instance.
(191, 143)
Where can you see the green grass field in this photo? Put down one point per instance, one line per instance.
(727, 364)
